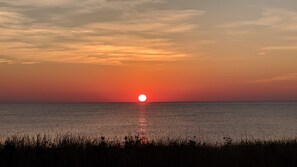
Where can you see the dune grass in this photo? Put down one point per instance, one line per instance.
(69, 150)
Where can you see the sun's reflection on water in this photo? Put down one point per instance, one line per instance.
(142, 123)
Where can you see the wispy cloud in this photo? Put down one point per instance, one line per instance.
(278, 19)
(30, 62)
(273, 24)
(290, 47)
(71, 3)
(8, 17)
(287, 77)
(262, 53)
(12, 61)
(5, 61)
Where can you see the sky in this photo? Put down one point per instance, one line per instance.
(171, 50)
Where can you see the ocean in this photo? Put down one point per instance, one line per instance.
(209, 122)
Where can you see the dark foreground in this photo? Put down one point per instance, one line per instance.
(136, 151)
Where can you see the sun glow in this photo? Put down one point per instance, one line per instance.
(142, 98)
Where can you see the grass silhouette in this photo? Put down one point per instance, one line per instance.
(70, 150)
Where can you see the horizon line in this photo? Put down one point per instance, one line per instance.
(223, 101)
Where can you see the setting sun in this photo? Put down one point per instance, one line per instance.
(142, 98)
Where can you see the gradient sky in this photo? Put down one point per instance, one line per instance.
(171, 50)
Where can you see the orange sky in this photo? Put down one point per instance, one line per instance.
(111, 51)
(170, 82)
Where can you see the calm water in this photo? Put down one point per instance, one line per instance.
(206, 121)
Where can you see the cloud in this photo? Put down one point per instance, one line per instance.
(71, 13)
(290, 47)
(262, 53)
(238, 32)
(275, 18)
(30, 62)
(287, 77)
(85, 3)
(277, 24)
(158, 22)
(5, 61)
(10, 61)
(7, 17)
(133, 35)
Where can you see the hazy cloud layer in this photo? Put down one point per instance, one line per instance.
(106, 31)
(119, 31)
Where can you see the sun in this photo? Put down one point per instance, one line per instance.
(142, 98)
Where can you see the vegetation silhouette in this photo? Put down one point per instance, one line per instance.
(70, 150)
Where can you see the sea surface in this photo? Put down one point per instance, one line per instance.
(200, 121)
